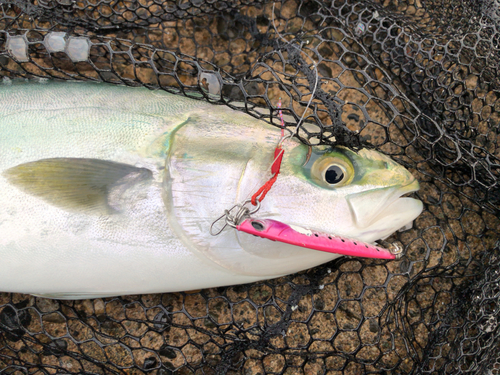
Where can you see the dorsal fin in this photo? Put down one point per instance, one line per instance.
(73, 184)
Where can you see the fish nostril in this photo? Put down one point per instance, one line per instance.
(257, 226)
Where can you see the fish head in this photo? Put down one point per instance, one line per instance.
(214, 163)
(336, 190)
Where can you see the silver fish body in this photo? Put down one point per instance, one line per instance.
(109, 190)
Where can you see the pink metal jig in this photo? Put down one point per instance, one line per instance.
(278, 231)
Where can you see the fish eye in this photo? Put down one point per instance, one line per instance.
(335, 174)
(331, 170)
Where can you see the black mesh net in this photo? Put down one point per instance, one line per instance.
(417, 80)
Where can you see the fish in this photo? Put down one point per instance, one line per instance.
(110, 190)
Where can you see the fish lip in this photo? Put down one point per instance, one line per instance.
(388, 196)
(393, 205)
(403, 192)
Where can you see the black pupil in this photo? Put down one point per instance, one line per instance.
(334, 174)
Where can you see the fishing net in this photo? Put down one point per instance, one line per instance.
(416, 79)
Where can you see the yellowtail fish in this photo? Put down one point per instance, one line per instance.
(110, 190)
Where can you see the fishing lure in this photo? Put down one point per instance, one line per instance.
(298, 236)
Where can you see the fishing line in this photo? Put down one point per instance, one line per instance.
(233, 219)
(279, 151)
(296, 131)
(315, 71)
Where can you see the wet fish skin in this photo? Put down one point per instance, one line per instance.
(110, 190)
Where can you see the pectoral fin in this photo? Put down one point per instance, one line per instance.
(74, 184)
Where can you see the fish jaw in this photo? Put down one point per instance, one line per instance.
(379, 213)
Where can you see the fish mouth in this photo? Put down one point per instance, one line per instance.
(399, 206)
(379, 213)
